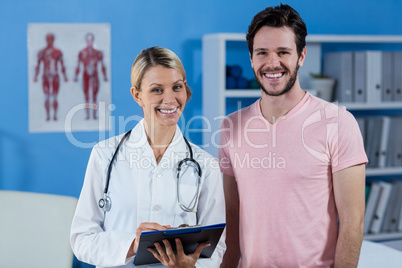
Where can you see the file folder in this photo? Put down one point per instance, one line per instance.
(359, 73)
(339, 65)
(371, 206)
(397, 149)
(384, 139)
(190, 237)
(383, 200)
(361, 121)
(397, 95)
(387, 76)
(374, 129)
(374, 76)
(392, 214)
(393, 137)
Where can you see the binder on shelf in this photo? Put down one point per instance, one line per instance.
(379, 212)
(393, 136)
(393, 209)
(374, 76)
(370, 128)
(371, 206)
(388, 211)
(397, 143)
(397, 75)
(371, 63)
(384, 139)
(387, 76)
(374, 129)
(359, 74)
(361, 121)
(399, 225)
(339, 65)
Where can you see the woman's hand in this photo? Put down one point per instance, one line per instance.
(144, 227)
(178, 260)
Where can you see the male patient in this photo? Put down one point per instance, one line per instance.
(293, 164)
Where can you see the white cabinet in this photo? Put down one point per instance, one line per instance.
(215, 94)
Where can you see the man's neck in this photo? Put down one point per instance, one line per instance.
(273, 108)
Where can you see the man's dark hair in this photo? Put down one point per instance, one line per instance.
(278, 16)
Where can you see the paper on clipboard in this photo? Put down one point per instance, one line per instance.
(190, 237)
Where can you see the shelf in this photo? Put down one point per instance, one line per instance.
(331, 38)
(383, 236)
(227, 36)
(324, 38)
(256, 93)
(383, 171)
(372, 106)
(243, 93)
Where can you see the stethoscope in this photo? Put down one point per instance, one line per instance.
(105, 203)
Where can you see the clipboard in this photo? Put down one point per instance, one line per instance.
(189, 236)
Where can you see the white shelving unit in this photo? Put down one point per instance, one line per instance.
(215, 93)
(383, 171)
(383, 236)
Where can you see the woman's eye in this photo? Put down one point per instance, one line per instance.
(156, 90)
(177, 87)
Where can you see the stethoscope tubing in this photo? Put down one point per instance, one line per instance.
(105, 203)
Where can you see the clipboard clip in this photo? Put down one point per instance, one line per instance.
(181, 229)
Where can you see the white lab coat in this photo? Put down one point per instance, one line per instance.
(141, 191)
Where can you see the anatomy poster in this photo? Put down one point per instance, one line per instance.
(69, 77)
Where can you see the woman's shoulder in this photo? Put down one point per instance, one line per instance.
(110, 144)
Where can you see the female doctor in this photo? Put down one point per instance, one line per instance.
(142, 192)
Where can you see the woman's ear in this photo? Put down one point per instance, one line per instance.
(137, 96)
(188, 92)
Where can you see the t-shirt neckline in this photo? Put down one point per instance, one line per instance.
(258, 111)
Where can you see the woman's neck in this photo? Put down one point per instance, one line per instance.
(159, 137)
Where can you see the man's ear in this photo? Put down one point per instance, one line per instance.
(137, 96)
(302, 56)
(251, 60)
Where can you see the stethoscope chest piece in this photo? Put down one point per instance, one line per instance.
(105, 203)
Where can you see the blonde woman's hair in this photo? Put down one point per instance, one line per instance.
(156, 56)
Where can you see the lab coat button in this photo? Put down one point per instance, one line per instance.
(157, 208)
(158, 175)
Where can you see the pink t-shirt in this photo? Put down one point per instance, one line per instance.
(284, 172)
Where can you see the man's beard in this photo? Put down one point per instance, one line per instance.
(288, 86)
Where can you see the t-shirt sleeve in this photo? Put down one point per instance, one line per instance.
(346, 142)
(224, 148)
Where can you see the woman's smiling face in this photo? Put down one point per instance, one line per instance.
(162, 96)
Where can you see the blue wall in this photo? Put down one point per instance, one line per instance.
(48, 162)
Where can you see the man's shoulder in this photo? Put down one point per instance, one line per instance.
(331, 109)
(243, 113)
